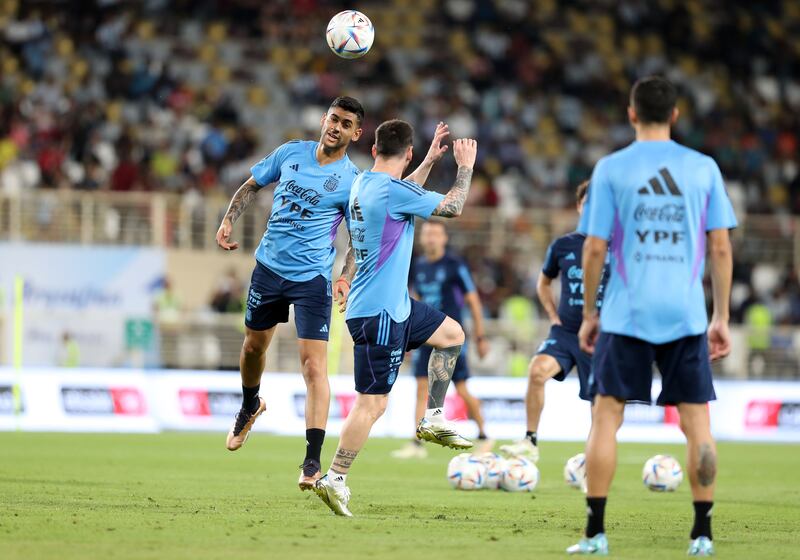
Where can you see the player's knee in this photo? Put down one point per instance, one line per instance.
(458, 336)
(254, 346)
(453, 334)
(537, 374)
(376, 406)
(313, 369)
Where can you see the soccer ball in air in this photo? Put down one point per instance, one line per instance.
(662, 473)
(521, 476)
(466, 472)
(350, 34)
(495, 468)
(575, 472)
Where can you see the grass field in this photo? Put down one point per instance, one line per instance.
(183, 496)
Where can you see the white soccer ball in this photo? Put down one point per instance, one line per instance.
(521, 476)
(495, 469)
(662, 473)
(575, 472)
(466, 472)
(350, 34)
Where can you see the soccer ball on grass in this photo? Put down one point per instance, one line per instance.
(662, 473)
(521, 475)
(466, 472)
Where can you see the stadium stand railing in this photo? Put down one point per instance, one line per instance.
(485, 235)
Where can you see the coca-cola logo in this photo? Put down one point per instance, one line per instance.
(308, 195)
(575, 273)
(670, 213)
(127, 401)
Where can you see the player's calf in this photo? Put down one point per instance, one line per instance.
(701, 465)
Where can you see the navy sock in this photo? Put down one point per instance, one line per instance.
(250, 398)
(314, 439)
(702, 519)
(531, 436)
(596, 516)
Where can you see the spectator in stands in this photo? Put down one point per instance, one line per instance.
(228, 296)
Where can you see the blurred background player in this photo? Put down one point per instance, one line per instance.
(660, 204)
(383, 320)
(560, 352)
(441, 279)
(293, 266)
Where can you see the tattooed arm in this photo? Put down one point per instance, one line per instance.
(341, 288)
(349, 268)
(239, 203)
(464, 151)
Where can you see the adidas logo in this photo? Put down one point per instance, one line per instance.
(570, 257)
(658, 188)
(324, 328)
(294, 167)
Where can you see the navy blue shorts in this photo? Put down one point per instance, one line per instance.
(271, 295)
(623, 368)
(421, 357)
(563, 345)
(380, 345)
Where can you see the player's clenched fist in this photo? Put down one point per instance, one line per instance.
(224, 234)
(465, 150)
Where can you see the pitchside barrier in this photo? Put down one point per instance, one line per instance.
(113, 400)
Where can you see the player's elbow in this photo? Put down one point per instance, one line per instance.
(594, 248)
(719, 245)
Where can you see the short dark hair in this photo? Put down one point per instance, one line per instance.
(393, 137)
(582, 191)
(653, 98)
(351, 105)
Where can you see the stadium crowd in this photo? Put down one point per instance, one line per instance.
(183, 96)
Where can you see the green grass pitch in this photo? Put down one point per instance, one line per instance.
(179, 496)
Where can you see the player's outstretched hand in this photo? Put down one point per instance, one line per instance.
(464, 151)
(224, 236)
(436, 151)
(341, 290)
(719, 340)
(590, 330)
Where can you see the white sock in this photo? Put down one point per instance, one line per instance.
(337, 479)
(435, 415)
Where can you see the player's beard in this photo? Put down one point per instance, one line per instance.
(341, 144)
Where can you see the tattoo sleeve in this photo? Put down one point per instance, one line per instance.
(440, 370)
(343, 460)
(242, 199)
(349, 269)
(454, 201)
